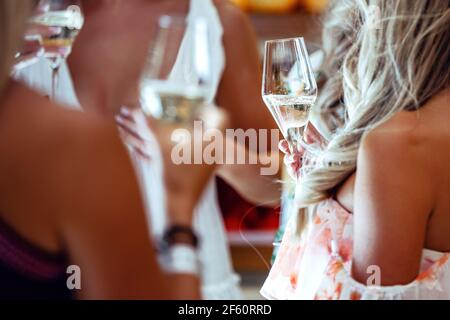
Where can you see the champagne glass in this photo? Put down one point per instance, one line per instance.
(65, 19)
(176, 83)
(289, 88)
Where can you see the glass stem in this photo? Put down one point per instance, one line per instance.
(56, 66)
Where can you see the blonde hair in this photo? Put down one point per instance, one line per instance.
(12, 23)
(375, 71)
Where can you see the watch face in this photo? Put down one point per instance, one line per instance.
(180, 235)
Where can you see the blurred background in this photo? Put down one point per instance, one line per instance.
(251, 230)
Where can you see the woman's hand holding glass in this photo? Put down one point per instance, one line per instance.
(185, 182)
(293, 159)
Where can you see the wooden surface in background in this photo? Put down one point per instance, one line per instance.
(246, 258)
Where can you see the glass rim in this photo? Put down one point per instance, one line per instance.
(285, 40)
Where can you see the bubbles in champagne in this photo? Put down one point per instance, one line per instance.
(291, 114)
(172, 104)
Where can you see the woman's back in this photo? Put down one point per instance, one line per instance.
(391, 216)
(426, 135)
(66, 186)
(436, 137)
(36, 137)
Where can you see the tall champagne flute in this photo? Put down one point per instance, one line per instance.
(176, 82)
(289, 87)
(65, 19)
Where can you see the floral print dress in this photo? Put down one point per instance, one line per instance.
(317, 266)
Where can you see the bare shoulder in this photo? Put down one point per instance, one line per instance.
(397, 189)
(394, 164)
(396, 149)
(405, 160)
(398, 137)
(413, 136)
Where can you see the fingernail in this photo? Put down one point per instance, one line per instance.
(119, 119)
(125, 110)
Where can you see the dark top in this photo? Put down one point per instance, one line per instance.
(28, 272)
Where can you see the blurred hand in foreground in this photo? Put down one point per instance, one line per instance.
(294, 157)
(151, 139)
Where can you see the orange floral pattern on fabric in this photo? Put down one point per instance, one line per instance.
(318, 265)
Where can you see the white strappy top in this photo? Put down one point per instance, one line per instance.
(219, 280)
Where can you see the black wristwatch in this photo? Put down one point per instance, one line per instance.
(177, 234)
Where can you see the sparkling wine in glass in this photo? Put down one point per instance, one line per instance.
(65, 19)
(289, 87)
(176, 83)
